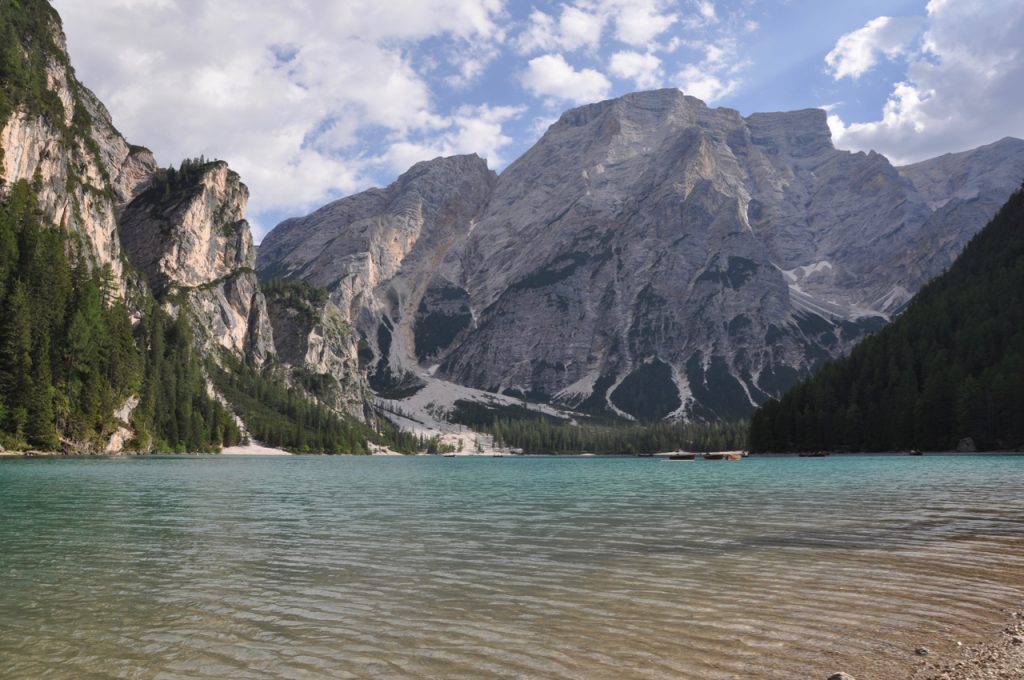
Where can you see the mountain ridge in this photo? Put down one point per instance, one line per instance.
(651, 238)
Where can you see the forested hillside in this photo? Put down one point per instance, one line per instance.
(952, 366)
(69, 357)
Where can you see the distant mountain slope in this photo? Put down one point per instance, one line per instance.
(951, 367)
(649, 257)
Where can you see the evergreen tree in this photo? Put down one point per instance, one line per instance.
(950, 367)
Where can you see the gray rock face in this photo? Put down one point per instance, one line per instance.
(378, 252)
(190, 237)
(648, 256)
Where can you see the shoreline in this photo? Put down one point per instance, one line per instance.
(994, 659)
(252, 449)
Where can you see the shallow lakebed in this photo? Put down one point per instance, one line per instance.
(333, 567)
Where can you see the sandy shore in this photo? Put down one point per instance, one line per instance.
(999, 659)
(253, 449)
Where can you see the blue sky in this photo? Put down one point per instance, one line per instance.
(312, 100)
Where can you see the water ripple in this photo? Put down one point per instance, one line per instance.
(500, 568)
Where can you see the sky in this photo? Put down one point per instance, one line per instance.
(313, 100)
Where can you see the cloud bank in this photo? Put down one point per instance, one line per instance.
(963, 85)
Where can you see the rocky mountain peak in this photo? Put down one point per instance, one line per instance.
(187, 234)
(800, 134)
(649, 256)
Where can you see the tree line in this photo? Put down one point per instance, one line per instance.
(950, 367)
(538, 433)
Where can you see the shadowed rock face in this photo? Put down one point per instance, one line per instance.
(378, 252)
(648, 256)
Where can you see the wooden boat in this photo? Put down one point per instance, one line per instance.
(813, 454)
(915, 452)
(682, 456)
(714, 456)
(734, 456)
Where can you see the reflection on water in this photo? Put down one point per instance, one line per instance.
(511, 567)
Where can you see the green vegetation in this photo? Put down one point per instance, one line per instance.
(175, 412)
(282, 416)
(27, 45)
(539, 433)
(169, 181)
(305, 298)
(952, 366)
(69, 356)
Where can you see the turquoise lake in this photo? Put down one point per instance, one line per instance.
(425, 567)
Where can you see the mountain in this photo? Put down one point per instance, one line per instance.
(951, 367)
(650, 257)
(130, 311)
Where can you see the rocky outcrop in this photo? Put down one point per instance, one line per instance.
(311, 334)
(188, 235)
(82, 168)
(649, 256)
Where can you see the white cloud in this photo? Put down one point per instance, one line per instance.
(961, 90)
(581, 25)
(574, 29)
(579, 28)
(714, 77)
(294, 95)
(639, 22)
(707, 10)
(552, 77)
(857, 52)
(642, 69)
(696, 82)
(472, 129)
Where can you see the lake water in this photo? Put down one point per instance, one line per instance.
(419, 567)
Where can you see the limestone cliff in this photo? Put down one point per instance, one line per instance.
(82, 168)
(649, 256)
(188, 235)
(312, 336)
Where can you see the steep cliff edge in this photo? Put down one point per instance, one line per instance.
(188, 235)
(312, 336)
(129, 286)
(57, 135)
